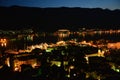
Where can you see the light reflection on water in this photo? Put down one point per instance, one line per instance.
(95, 38)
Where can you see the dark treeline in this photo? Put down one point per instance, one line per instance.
(50, 19)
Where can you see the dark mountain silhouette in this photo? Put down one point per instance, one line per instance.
(50, 19)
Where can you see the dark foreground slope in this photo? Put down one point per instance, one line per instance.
(50, 19)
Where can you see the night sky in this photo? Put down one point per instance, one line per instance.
(110, 4)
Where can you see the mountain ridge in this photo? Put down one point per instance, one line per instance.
(50, 19)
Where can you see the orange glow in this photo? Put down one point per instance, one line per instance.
(3, 42)
(71, 67)
(114, 45)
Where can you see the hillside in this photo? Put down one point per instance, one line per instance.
(50, 19)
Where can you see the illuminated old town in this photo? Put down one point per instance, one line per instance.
(76, 53)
